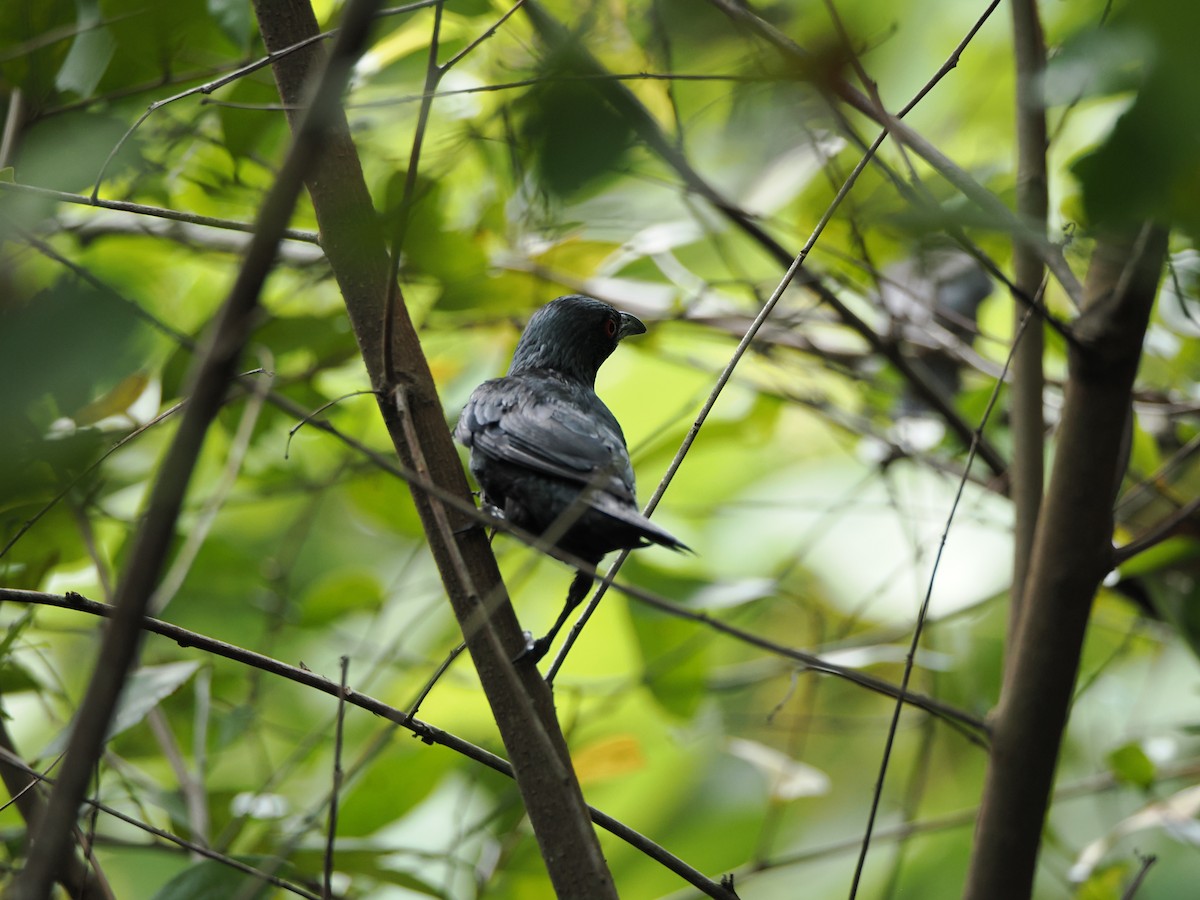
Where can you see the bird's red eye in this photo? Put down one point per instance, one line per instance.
(610, 327)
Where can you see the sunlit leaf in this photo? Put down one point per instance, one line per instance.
(610, 757)
(90, 53)
(1130, 764)
(145, 689)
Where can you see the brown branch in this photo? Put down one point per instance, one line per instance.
(1071, 555)
(425, 732)
(194, 848)
(521, 703)
(119, 650)
(1157, 533)
(1026, 417)
(78, 878)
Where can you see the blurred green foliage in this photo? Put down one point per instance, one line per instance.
(814, 512)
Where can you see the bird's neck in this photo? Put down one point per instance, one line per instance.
(522, 364)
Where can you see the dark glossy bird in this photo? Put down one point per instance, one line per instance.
(549, 456)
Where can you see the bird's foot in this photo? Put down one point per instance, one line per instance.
(534, 650)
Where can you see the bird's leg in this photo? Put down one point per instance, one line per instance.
(486, 507)
(535, 650)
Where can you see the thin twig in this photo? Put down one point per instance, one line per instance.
(426, 732)
(910, 659)
(141, 209)
(210, 86)
(119, 649)
(1156, 534)
(191, 846)
(316, 412)
(194, 800)
(496, 87)
(433, 75)
(434, 678)
(1143, 871)
(338, 774)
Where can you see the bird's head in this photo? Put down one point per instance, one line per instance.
(573, 335)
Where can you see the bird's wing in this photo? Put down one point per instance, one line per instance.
(541, 423)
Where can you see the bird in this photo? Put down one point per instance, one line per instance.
(548, 455)
(933, 299)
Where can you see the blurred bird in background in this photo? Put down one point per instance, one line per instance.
(549, 456)
(933, 299)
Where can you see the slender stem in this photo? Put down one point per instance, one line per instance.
(1027, 421)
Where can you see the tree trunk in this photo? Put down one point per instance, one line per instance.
(1072, 553)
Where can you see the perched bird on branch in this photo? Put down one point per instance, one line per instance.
(548, 454)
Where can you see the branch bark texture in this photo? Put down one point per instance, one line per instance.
(521, 702)
(1072, 553)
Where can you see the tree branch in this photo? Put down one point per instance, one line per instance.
(1072, 553)
(521, 702)
(943, 165)
(427, 733)
(625, 102)
(49, 842)
(1027, 422)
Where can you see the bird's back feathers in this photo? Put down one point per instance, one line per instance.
(548, 425)
(545, 448)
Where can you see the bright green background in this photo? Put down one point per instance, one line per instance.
(725, 755)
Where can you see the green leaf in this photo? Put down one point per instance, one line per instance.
(251, 131)
(143, 691)
(365, 859)
(91, 52)
(13, 632)
(211, 880)
(1131, 765)
(338, 594)
(15, 678)
(1108, 882)
(96, 338)
(1149, 165)
(65, 152)
(574, 136)
(235, 18)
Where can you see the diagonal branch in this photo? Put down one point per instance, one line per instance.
(427, 733)
(119, 651)
(521, 702)
(957, 176)
(625, 102)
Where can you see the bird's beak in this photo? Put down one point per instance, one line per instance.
(630, 325)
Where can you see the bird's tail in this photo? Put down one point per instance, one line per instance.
(647, 530)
